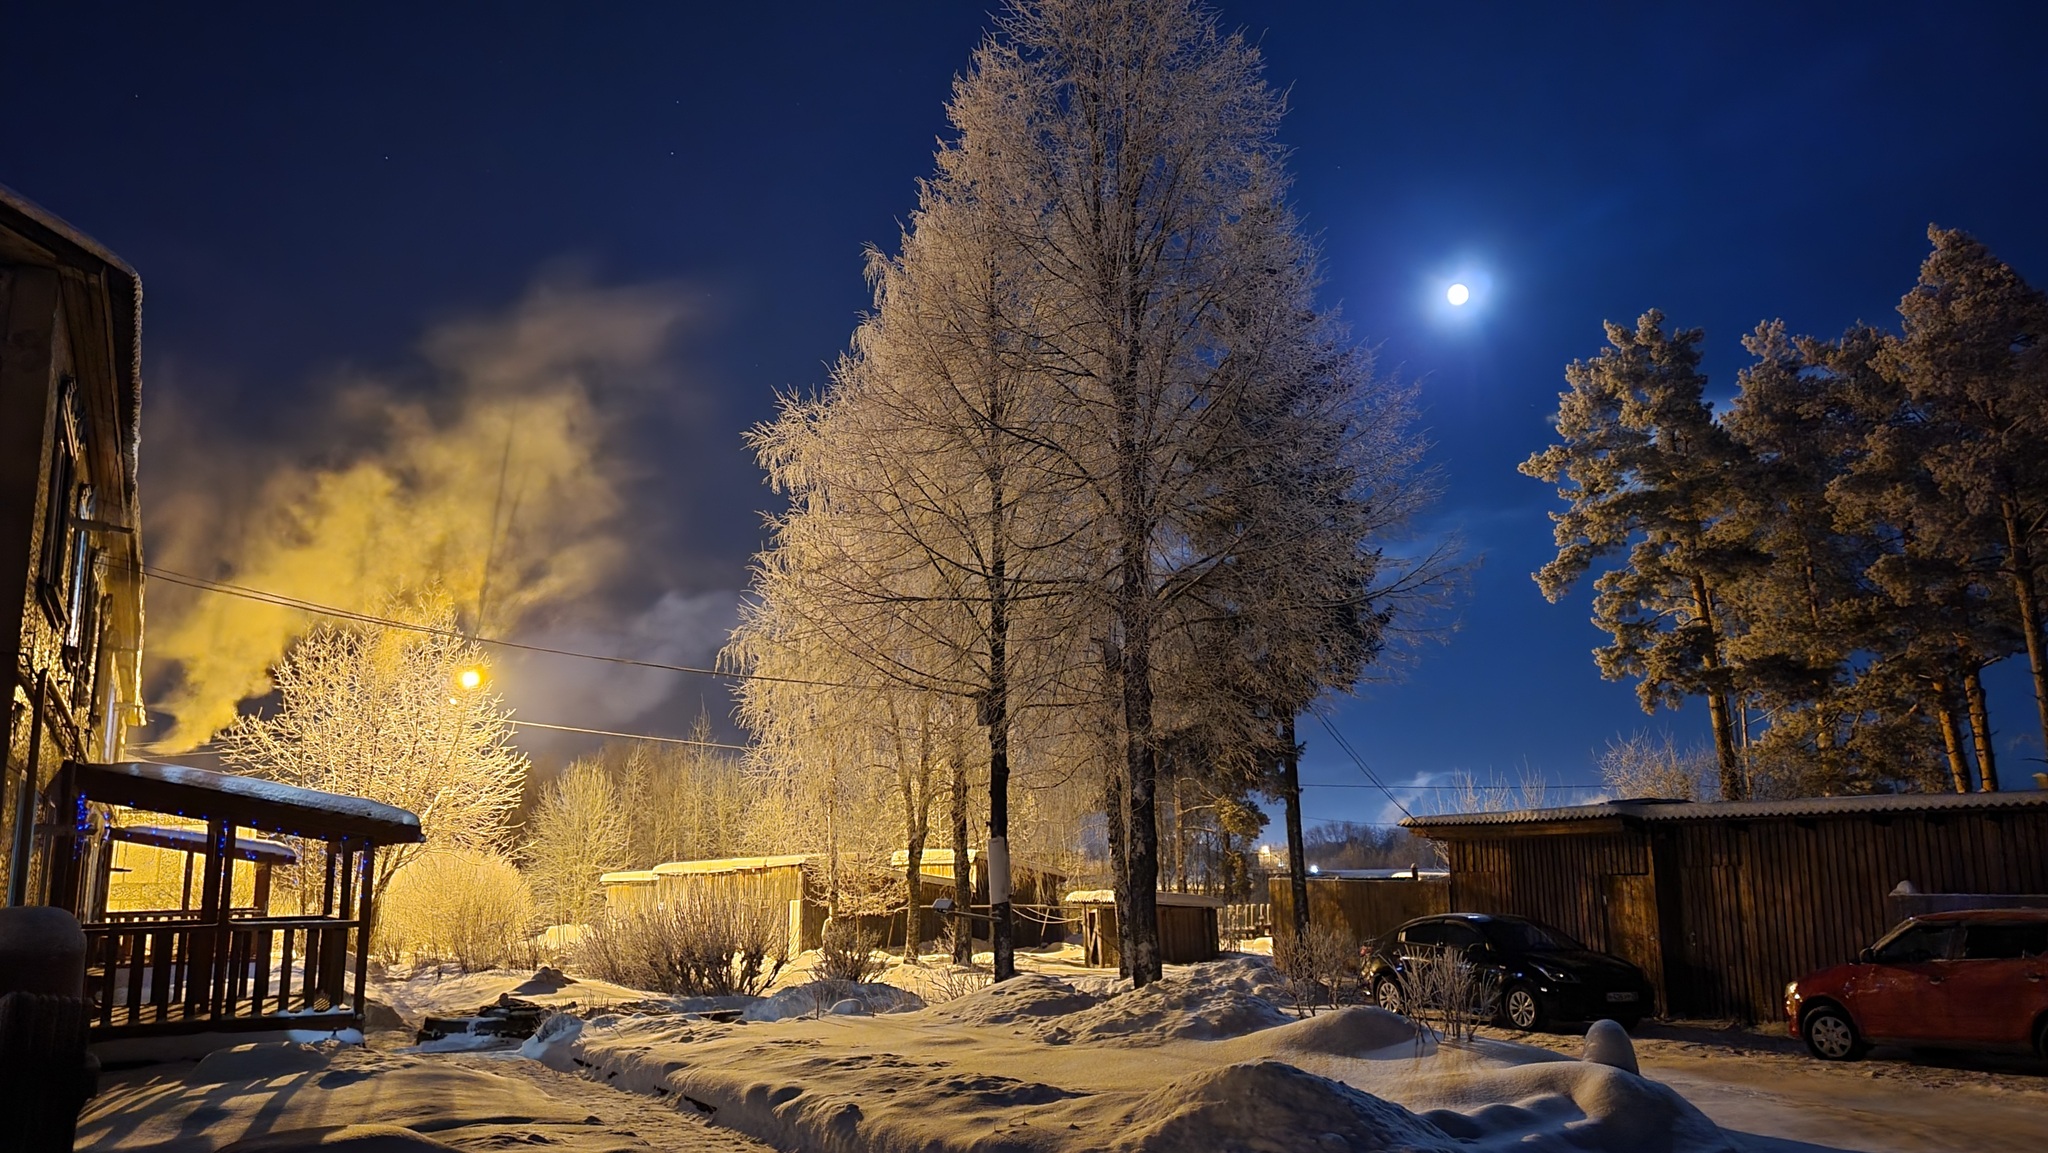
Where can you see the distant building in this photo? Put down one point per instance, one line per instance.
(70, 550)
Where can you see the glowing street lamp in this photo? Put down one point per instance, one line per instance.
(470, 679)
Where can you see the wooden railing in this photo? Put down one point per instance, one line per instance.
(163, 971)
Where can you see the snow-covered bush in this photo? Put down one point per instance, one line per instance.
(699, 944)
(465, 907)
(1321, 967)
(1442, 989)
(846, 952)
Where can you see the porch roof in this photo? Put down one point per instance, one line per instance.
(270, 806)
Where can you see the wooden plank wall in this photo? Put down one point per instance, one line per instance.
(1761, 903)
(1742, 907)
(1365, 908)
(1558, 880)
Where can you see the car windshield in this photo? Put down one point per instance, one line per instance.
(1528, 935)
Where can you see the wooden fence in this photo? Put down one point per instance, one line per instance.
(1361, 908)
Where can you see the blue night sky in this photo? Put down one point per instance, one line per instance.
(304, 191)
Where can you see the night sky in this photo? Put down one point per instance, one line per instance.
(306, 194)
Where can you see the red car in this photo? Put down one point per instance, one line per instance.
(1975, 979)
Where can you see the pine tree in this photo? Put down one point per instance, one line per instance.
(1646, 470)
(1974, 368)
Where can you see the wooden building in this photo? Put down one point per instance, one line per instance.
(70, 554)
(1362, 903)
(1723, 903)
(1187, 927)
(209, 964)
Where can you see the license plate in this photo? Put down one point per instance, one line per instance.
(1621, 996)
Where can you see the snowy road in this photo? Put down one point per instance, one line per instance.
(1767, 1090)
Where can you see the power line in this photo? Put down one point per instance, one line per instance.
(1360, 762)
(516, 723)
(225, 588)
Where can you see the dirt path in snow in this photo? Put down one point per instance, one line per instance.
(1778, 1099)
(665, 1128)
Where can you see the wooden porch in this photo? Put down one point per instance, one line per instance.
(215, 966)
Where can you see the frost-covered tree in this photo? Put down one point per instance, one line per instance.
(580, 830)
(383, 713)
(1647, 472)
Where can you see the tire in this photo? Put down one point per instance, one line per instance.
(1831, 1036)
(1386, 993)
(1521, 1008)
(2041, 1037)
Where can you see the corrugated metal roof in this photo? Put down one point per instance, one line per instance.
(1740, 810)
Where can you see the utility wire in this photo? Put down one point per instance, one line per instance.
(516, 723)
(1362, 766)
(225, 588)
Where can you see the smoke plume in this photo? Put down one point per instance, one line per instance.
(487, 472)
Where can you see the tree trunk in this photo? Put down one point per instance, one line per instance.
(1118, 822)
(2021, 555)
(963, 870)
(1297, 853)
(1142, 850)
(913, 883)
(1951, 735)
(996, 714)
(1733, 785)
(1980, 729)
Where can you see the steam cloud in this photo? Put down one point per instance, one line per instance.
(412, 497)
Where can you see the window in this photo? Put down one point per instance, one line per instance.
(1917, 943)
(1523, 936)
(58, 569)
(2005, 942)
(1427, 933)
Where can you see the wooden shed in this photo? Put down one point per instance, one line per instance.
(1362, 902)
(1723, 903)
(1187, 927)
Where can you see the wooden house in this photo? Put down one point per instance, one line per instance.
(70, 553)
(1724, 903)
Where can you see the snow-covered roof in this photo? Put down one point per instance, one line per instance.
(630, 877)
(930, 858)
(268, 805)
(1662, 811)
(726, 865)
(194, 841)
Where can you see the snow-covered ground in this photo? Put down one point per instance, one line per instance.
(1065, 1058)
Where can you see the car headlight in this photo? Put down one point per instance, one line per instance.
(1560, 976)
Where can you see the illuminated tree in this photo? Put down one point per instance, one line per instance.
(580, 830)
(382, 713)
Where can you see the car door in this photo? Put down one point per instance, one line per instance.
(1896, 999)
(1986, 994)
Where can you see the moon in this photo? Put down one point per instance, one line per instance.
(1457, 294)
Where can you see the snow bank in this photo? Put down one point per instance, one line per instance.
(258, 1062)
(820, 997)
(1273, 1108)
(341, 1139)
(1037, 1064)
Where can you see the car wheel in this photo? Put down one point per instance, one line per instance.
(1521, 1008)
(1830, 1035)
(2041, 1037)
(1387, 995)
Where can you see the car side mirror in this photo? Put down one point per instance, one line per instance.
(1866, 955)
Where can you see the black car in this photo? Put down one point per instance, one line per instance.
(1543, 974)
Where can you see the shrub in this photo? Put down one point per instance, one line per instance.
(1321, 967)
(700, 944)
(463, 907)
(954, 981)
(846, 952)
(1443, 990)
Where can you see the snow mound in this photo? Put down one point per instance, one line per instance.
(819, 998)
(1353, 1031)
(1253, 976)
(1607, 1043)
(1271, 1107)
(1189, 1007)
(1025, 997)
(260, 1061)
(551, 1043)
(1571, 1106)
(341, 1139)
